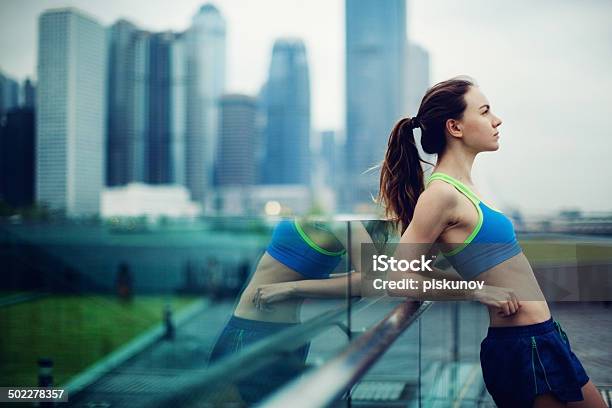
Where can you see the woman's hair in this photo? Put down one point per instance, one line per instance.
(401, 176)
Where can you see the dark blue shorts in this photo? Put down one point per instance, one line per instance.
(240, 333)
(519, 363)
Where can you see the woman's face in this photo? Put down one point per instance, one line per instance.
(479, 124)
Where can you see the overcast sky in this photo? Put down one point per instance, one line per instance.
(544, 66)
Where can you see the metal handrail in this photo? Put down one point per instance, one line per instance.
(327, 383)
(240, 365)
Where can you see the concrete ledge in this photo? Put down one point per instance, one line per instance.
(127, 351)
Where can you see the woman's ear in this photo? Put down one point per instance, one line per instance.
(453, 127)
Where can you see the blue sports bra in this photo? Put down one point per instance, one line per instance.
(292, 247)
(491, 242)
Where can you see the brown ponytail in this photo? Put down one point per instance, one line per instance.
(401, 176)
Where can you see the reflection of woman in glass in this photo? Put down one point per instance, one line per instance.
(526, 356)
(297, 264)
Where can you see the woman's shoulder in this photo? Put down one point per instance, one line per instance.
(435, 210)
(439, 194)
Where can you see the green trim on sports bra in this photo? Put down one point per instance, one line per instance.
(462, 187)
(313, 244)
(472, 197)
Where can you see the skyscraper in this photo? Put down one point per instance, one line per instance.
(146, 89)
(71, 116)
(29, 94)
(375, 89)
(206, 63)
(17, 157)
(9, 93)
(287, 106)
(236, 159)
(128, 68)
(260, 129)
(178, 108)
(417, 70)
(160, 137)
(331, 158)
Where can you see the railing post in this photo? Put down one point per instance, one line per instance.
(419, 395)
(348, 280)
(45, 377)
(349, 330)
(169, 334)
(455, 350)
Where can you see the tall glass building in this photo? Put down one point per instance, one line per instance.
(9, 93)
(331, 157)
(287, 106)
(29, 94)
(236, 159)
(418, 81)
(17, 157)
(178, 109)
(71, 117)
(128, 71)
(146, 106)
(375, 89)
(160, 125)
(206, 63)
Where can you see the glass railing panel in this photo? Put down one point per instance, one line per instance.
(122, 305)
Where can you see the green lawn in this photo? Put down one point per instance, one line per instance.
(75, 331)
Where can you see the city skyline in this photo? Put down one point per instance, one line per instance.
(163, 89)
(556, 68)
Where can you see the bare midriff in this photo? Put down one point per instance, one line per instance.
(516, 273)
(269, 271)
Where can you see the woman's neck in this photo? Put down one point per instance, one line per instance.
(457, 163)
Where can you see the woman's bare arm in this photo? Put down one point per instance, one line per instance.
(308, 288)
(327, 288)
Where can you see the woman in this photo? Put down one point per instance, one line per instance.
(297, 263)
(526, 357)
